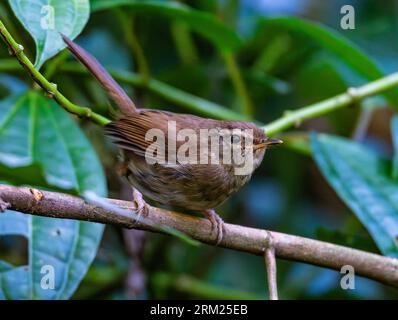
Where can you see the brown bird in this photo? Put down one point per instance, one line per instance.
(199, 186)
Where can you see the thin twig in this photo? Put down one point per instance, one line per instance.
(270, 263)
(127, 24)
(239, 84)
(50, 88)
(362, 125)
(353, 95)
(172, 94)
(184, 43)
(250, 240)
(270, 266)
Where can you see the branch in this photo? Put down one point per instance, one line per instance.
(50, 88)
(270, 266)
(352, 96)
(251, 240)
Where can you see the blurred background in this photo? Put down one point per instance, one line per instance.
(276, 68)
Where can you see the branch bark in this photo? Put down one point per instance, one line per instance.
(250, 240)
(270, 266)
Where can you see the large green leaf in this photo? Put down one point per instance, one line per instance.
(46, 19)
(330, 40)
(14, 282)
(12, 84)
(201, 22)
(35, 131)
(67, 246)
(362, 179)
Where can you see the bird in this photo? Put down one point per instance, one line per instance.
(199, 186)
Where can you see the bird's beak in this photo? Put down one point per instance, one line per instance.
(269, 142)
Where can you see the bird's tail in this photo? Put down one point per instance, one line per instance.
(113, 89)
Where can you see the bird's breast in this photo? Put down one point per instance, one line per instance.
(193, 187)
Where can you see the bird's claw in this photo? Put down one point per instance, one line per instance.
(217, 222)
(140, 204)
(3, 205)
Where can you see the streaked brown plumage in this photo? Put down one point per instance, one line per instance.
(199, 187)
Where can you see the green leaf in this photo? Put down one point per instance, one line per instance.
(46, 19)
(14, 282)
(12, 84)
(201, 22)
(334, 42)
(14, 223)
(394, 133)
(66, 245)
(35, 131)
(362, 179)
(330, 40)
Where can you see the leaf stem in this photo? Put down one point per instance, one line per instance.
(166, 91)
(7, 16)
(352, 95)
(53, 64)
(183, 42)
(238, 82)
(161, 89)
(133, 42)
(50, 88)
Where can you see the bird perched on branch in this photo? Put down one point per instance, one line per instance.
(199, 174)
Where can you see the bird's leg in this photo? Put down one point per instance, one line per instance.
(217, 222)
(140, 204)
(3, 205)
(122, 169)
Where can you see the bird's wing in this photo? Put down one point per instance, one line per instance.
(136, 132)
(130, 132)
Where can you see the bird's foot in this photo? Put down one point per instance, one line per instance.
(3, 205)
(217, 222)
(140, 204)
(122, 169)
